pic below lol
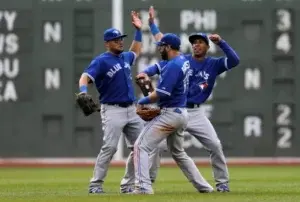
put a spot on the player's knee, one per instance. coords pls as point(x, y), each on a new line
point(109, 150)
point(140, 146)
point(215, 146)
point(178, 155)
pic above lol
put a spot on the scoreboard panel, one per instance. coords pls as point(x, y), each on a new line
point(46, 44)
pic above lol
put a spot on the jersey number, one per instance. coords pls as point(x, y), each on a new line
point(186, 72)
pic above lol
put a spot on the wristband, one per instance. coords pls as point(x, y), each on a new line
point(154, 29)
point(138, 35)
point(144, 100)
point(83, 89)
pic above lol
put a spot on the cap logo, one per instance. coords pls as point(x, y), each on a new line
point(116, 32)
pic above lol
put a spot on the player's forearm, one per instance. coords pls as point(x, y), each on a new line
point(83, 83)
point(152, 98)
point(136, 45)
point(232, 57)
point(155, 31)
point(151, 71)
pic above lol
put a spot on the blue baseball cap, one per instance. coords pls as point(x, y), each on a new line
point(170, 39)
point(112, 33)
point(199, 35)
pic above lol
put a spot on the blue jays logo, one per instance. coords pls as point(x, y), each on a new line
point(127, 65)
point(116, 32)
point(202, 74)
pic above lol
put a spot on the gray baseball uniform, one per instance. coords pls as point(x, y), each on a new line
point(201, 128)
point(115, 121)
point(202, 80)
point(172, 89)
point(111, 75)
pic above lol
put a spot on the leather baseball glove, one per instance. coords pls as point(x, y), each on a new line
point(147, 113)
point(86, 104)
point(145, 84)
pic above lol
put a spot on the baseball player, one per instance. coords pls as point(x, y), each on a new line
point(170, 124)
point(111, 74)
point(205, 71)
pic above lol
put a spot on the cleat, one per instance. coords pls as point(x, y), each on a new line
point(206, 191)
point(126, 190)
point(96, 190)
point(142, 191)
point(223, 187)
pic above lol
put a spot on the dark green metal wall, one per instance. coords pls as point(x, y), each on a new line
point(253, 108)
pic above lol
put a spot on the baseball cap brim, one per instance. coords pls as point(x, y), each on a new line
point(118, 37)
point(193, 37)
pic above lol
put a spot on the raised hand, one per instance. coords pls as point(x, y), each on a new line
point(215, 38)
point(136, 21)
point(151, 15)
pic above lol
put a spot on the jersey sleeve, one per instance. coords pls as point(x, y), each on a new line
point(151, 70)
point(94, 70)
point(222, 65)
point(131, 57)
point(169, 79)
point(155, 69)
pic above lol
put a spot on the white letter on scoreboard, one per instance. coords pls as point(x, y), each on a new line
point(52, 32)
point(252, 126)
point(252, 79)
point(186, 18)
point(52, 79)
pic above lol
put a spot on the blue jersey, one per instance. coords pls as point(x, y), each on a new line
point(112, 77)
point(205, 71)
point(173, 82)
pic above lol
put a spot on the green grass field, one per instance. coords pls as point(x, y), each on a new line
point(254, 184)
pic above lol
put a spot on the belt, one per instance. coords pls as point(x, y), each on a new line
point(124, 104)
point(191, 105)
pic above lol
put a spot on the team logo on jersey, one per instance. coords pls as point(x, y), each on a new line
point(112, 71)
point(127, 65)
point(202, 74)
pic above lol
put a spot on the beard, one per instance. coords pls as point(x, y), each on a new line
point(164, 55)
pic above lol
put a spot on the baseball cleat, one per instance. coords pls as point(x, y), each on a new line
point(223, 187)
point(126, 190)
point(142, 191)
point(96, 190)
point(205, 191)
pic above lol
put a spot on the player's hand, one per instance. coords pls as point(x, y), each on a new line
point(215, 38)
point(142, 76)
point(136, 21)
point(151, 15)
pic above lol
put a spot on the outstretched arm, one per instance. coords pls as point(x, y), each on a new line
point(232, 57)
point(89, 74)
point(83, 83)
point(136, 45)
point(153, 28)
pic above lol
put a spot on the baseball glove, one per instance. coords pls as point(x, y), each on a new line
point(147, 113)
point(145, 85)
point(86, 104)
